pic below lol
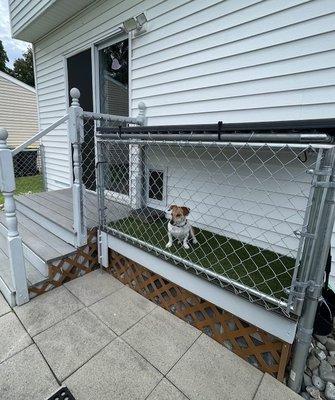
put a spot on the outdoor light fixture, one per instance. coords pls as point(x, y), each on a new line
point(135, 24)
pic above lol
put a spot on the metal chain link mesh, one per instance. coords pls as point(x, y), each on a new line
point(246, 202)
point(29, 171)
point(89, 163)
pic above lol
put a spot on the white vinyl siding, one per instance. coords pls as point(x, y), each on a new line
point(18, 111)
point(236, 61)
point(201, 61)
point(205, 61)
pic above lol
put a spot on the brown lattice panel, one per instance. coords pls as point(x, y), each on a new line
point(259, 348)
point(84, 260)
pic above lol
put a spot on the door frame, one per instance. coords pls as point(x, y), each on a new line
point(113, 37)
point(66, 56)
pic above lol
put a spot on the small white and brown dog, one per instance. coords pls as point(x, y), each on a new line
point(179, 228)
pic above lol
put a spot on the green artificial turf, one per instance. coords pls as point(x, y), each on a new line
point(255, 267)
point(27, 184)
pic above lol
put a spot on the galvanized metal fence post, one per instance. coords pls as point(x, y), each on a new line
point(102, 236)
point(76, 136)
point(136, 155)
point(319, 230)
point(15, 249)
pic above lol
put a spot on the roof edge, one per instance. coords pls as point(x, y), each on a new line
point(17, 82)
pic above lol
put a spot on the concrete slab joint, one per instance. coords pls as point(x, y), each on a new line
point(113, 344)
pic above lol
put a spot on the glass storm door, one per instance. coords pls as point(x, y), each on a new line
point(114, 99)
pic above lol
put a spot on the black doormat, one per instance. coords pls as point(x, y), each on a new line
point(62, 394)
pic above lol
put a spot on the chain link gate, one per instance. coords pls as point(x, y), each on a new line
point(250, 205)
point(262, 209)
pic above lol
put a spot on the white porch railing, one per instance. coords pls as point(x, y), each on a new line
point(75, 118)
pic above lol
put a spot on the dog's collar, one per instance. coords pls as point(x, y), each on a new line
point(179, 226)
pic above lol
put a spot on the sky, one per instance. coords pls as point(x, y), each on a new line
point(14, 48)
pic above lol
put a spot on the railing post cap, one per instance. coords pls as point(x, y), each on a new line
point(3, 134)
point(142, 106)
point(75, 94)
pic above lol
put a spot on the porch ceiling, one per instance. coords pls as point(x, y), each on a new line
point(52, 15)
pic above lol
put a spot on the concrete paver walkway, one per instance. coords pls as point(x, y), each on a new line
point(105, 341)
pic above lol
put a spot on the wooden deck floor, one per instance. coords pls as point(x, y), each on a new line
point(45, 224)
point(57, 206)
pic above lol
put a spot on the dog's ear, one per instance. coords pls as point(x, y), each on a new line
point(172, 206)
point(186, 211)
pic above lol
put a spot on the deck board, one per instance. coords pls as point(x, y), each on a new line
point(47, 210)
point(65, 197)
point(56, 246)
point(91, 204)
point(57, 207)
point(42, 242)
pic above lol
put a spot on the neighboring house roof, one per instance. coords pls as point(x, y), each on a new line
point(16, 81)
point(18, 111)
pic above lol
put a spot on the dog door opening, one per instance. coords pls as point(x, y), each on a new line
point(156, 185)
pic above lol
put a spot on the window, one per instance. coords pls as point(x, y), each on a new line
point(114, 99)
point(156, 185)
point(113, 79)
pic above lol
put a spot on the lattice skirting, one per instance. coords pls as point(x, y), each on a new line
point(259, 348)
point(81, 262)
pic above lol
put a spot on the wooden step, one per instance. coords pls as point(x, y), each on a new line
point(48, 215)
point(6, 285)
point(42, 242)
point(45, 224)
point(33, 274)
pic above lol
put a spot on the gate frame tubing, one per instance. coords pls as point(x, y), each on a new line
point(320, 227)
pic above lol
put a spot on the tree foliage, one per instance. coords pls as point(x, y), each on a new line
point(3, 59)
point(23, 68)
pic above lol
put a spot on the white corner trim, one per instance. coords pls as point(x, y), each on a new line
point(275, 324)
point(17, 82)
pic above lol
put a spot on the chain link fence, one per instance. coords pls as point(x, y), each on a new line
point(230, 212)
point(90, 160)
point(29, 171)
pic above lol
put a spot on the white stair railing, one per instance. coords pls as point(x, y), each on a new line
point(15, 249)
point(75, 118)
point(76, 136)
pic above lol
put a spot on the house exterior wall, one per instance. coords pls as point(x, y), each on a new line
point(203, 61)
point(200, 62)
point(18, 110)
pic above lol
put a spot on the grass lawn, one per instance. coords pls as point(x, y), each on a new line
point(27, 184)
point(261, 269)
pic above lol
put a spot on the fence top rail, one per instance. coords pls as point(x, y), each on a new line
point(39, 135)
point(207, 133)
point(113, 118)
point(179, 142)
point(318, 126)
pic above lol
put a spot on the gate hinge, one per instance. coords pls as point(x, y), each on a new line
point(304, 234)
point(298, 291)
point(319, 172)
